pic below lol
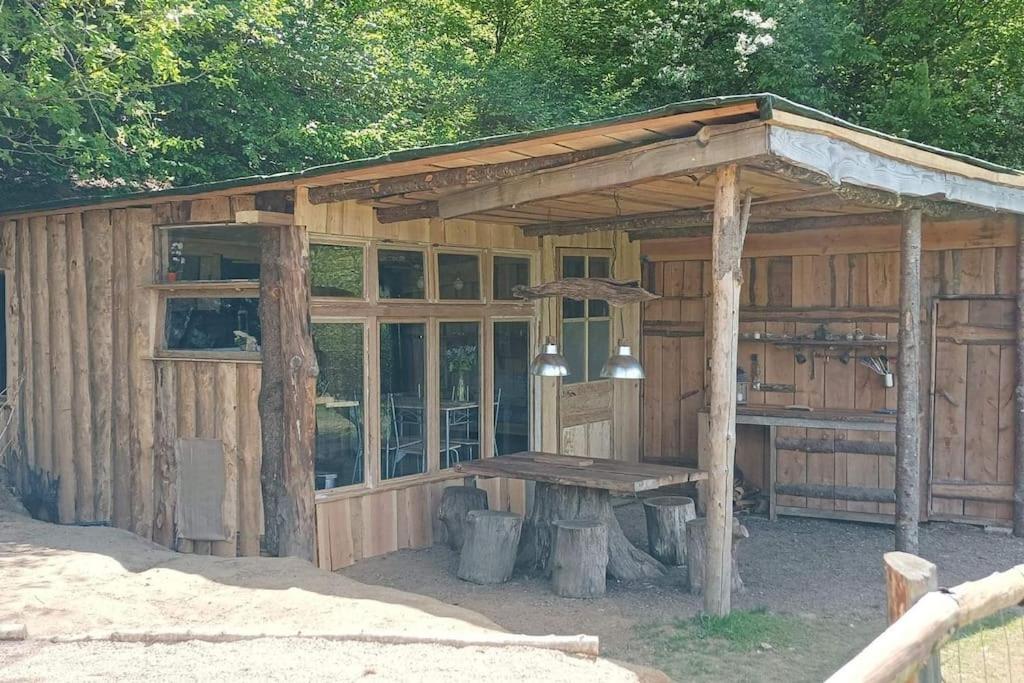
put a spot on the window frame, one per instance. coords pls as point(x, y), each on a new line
point(587, 254)
point(436, 252)
point(332, 241)
point(370, 418)
point(163, 241)
point(533, 415)
point(431, 400)
point(511, 253)
point(428, 293)
point(160, 350)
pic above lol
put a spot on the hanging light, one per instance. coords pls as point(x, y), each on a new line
point(549, 362)
point(622, 364)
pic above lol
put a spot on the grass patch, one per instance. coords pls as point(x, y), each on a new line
point(989, 649)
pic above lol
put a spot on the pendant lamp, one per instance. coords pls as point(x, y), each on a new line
point(622, 364)
point(549, 362)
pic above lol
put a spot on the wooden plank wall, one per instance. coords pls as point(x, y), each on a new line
point(93, 408)
point(848, 290)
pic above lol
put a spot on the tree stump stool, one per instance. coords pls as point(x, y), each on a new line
point(696, 553)
point(456, 501)
point(667, 517)
point(489, 551)
point(579, 558)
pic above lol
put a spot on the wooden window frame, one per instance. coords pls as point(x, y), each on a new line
point(562, 252)
point(436, 252)
point(168, 292)
point(428, 285)
point(509, 253)
point(163, 253)
point(533, 417)
point(371, 418)
point(333, 241)
point(486, 346)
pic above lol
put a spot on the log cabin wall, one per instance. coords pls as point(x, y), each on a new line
point(793, 283)
point(367, 520)
point(96, 409)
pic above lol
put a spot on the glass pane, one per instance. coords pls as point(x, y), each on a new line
point(212, 324)
point(402, 399)
point(458, 276)
point(400, 273)
point(510, 271)
point(574, 336)
point(511, 387)
point(599, 267)
point(573, 266)
point(597, 348)
point(212, 254)
point(336, 270)
point(339, 404)
point(460, 392)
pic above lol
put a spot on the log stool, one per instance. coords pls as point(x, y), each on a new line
point(579, 558)
point(456, 501)
point(489, 551)
point(667, 517)
point(696, 552)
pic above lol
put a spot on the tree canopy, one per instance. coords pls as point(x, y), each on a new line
point(99, 94)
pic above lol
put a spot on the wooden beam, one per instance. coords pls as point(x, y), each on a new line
point(1018, 455)
point(727, 276)
point(257, 217)
point(908, 401)
point(908, 578)
point(463, 176)
point(831, 492)
point(778, 227)
point(287, 393)
point(714, 146)
point(407, 212)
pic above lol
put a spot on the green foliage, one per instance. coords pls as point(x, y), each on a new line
point(97, 94)
point(336, 270)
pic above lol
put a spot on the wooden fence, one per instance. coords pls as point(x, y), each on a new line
point(922, 618)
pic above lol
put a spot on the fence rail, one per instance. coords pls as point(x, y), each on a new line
point(908, 646)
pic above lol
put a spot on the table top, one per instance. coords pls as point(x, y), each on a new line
point(568, 470)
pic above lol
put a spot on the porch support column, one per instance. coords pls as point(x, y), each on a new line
point(908, 397)
point(287, 393)
point(726, 248)
point(1018, 456)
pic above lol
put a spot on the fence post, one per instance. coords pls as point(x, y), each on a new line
point(908, 578)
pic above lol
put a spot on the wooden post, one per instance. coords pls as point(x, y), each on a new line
point(908, 402)
point(1018, 456)
point(908, 578)
point(727, 277)
point(287, 394)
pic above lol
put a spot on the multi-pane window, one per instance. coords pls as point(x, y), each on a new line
point(458, 276)
point(336, 270)
point(340, 404)
point(401, 274)
point(586, 325)
point(510, 271)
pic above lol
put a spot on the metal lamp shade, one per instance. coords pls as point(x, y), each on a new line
point(623, 365)
point(549, 362)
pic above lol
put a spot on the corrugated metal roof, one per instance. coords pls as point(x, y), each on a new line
point(766, 104)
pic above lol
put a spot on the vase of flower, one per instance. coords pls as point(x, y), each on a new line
point(461, 361)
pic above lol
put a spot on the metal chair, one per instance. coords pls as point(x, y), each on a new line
point(395, 448)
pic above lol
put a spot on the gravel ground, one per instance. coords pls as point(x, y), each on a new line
point(284, 659)
point(814, 569)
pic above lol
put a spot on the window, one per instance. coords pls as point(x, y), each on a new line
point(336, 270)
point(510, 271)
point(212, 324)
point(460, 391)
point(458, 276)
point(340, 419)
point(206, 254)
point(402, 399)
point(511, 386)
point(400, 274)
point(586, 325)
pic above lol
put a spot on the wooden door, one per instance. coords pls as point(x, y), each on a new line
point(973, 417)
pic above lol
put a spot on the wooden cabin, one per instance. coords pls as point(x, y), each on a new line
point(373, 300)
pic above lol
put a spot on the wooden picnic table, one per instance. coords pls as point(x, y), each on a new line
point(571, 487)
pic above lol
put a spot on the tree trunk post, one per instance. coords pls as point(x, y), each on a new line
point(908, 578)
point(287, 393)
point(489, 551)
point(579, 558)
point(697, 549)
point(908, 438)
point(667, 517)
point(1018, 456)
point(727, 276)
point(456, 504)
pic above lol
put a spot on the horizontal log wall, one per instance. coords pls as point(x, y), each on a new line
point(93, 409)
point(793, 286)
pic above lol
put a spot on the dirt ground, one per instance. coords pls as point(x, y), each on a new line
point(825, 579)
point(64, 581)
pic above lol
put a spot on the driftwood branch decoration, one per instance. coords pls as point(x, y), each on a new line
point(615, 292)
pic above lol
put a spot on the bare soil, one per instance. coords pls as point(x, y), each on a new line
point(68, 581)
point(825, 577)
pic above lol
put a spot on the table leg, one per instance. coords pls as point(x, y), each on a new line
point(552, 502)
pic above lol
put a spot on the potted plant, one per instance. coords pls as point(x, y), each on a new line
point(175, 261)
point(461, 361)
